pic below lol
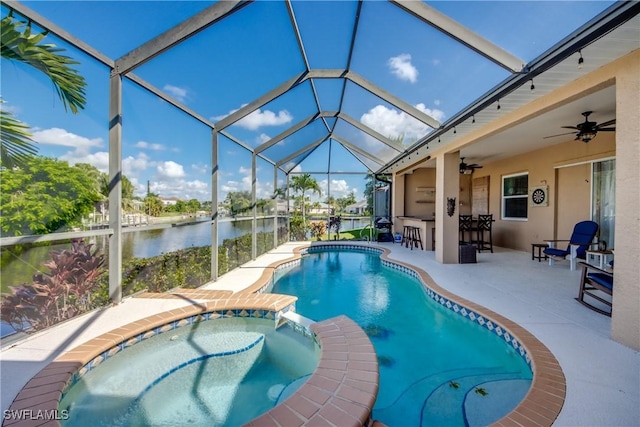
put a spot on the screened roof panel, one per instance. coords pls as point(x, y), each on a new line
point(305, 136)
point(230, 77)
point(365, 142)
point(406, 80)
point(335, 20)
point(317, 160)
point(329, 93)
point(116, 27)
point(275, 117)
point(416, 62)
point(341, 160)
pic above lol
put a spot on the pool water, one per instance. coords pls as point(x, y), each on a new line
point(436, 367)
point(222, 372)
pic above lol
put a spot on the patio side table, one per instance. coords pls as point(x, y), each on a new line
point(536, 251)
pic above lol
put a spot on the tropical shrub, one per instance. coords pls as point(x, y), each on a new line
point(318, 228)
point(64, 292)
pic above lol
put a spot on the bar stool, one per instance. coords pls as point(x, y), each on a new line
point(464, 225)
point(405, 236)
point(484, 241)
point(415, 238)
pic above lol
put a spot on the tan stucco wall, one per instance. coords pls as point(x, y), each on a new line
point(414, 200)
point(544, 167)
point(625, 322)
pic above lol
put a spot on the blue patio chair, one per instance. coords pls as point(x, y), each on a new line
point(582, 237)
point(597, 284)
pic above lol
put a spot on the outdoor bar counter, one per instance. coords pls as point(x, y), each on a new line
point(425, 224)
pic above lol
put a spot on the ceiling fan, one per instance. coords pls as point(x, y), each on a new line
point(468, 168)
point(587, 130)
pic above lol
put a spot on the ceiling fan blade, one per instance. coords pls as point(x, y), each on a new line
point(560, 134)
point(610, 122)
point(606, 129)
point(570, 127)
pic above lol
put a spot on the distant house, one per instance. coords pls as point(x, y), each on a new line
point(358, 208)
point(169, 201)
point(323, 209)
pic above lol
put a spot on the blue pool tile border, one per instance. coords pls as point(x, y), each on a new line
point(450, 304)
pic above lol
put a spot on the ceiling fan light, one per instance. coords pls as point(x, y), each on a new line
point(587, 136)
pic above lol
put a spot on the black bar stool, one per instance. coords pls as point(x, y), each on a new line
point(484, 235)
point(416, 239)
point(465, 223)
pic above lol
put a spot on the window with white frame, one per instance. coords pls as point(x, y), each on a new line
point(515, 196)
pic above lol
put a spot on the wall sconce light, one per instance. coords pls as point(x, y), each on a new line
point(451, 206)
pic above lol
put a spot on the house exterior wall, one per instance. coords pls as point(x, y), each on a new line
point(565, 168)
point(625, 321)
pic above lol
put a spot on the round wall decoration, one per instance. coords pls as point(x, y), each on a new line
point(538, 196)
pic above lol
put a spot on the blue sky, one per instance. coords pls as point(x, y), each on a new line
point(252, 52)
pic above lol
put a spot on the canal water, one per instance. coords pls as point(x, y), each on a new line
point(18, 266)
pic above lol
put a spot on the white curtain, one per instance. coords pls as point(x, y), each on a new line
point(603, 204)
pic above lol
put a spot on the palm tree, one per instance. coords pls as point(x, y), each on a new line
point(19, 44)
point(302, 183)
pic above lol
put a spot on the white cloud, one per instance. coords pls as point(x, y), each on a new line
point(262, 138)
point(259, 118)
point(170, 170)
point(436, 102)
point(177, 92)
point(131, 166)
point(182, 189)
point(338, 188)
point(60, 137)
point(150, 146)
point(393, 123)
point(200, 168)
point(402, 67)
point(100, 159)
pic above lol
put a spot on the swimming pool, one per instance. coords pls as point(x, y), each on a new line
point(218, 373)
point(439, 363)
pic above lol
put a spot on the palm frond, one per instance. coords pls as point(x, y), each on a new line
point(21, 45)
point(15, 141)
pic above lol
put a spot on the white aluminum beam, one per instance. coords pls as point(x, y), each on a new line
point(302, 151)
point(349, 146)
point(259, 102)
point(293, 129)
point(366, 129)
point(177, 34)
point(462, 34)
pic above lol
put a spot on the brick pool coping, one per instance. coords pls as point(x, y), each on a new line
point(342, 390)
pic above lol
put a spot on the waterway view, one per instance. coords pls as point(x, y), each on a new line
point(19, 263)
point(18, 266)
